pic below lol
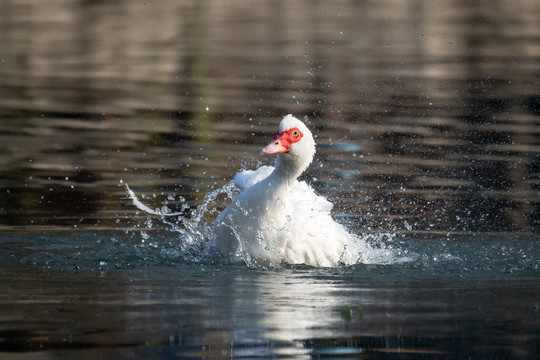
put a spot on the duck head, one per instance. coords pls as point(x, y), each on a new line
point(294, 145)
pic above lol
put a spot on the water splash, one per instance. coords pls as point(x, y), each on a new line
point(196, 241)
point(382, 249)
point(160, 212)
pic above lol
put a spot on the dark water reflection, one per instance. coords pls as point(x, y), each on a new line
point(427, 122)
point(436, 105)
point(192, 312)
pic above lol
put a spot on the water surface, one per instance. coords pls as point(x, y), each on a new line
point(106, 298)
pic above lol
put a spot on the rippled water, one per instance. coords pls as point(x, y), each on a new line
point(95, 296)
point(426, 117)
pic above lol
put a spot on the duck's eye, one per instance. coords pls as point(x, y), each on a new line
point(295, 133)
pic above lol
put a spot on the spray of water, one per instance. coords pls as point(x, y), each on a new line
point(196, 240)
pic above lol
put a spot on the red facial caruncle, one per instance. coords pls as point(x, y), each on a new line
point(283, 141)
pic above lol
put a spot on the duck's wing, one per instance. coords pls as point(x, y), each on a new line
point(247, 178)
point(318, 239)
point(306, 201)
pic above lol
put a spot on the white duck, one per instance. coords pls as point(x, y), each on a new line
point(277, 219)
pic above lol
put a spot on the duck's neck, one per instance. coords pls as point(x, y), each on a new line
point(288, 168)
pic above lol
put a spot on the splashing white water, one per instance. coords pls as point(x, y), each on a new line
point(197, 239)
point(145, 208)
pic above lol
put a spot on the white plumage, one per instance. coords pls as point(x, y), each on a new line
point(278, 219)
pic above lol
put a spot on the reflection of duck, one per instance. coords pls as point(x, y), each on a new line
point(279, 219)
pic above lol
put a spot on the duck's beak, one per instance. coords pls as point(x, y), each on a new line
point(275, 147)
